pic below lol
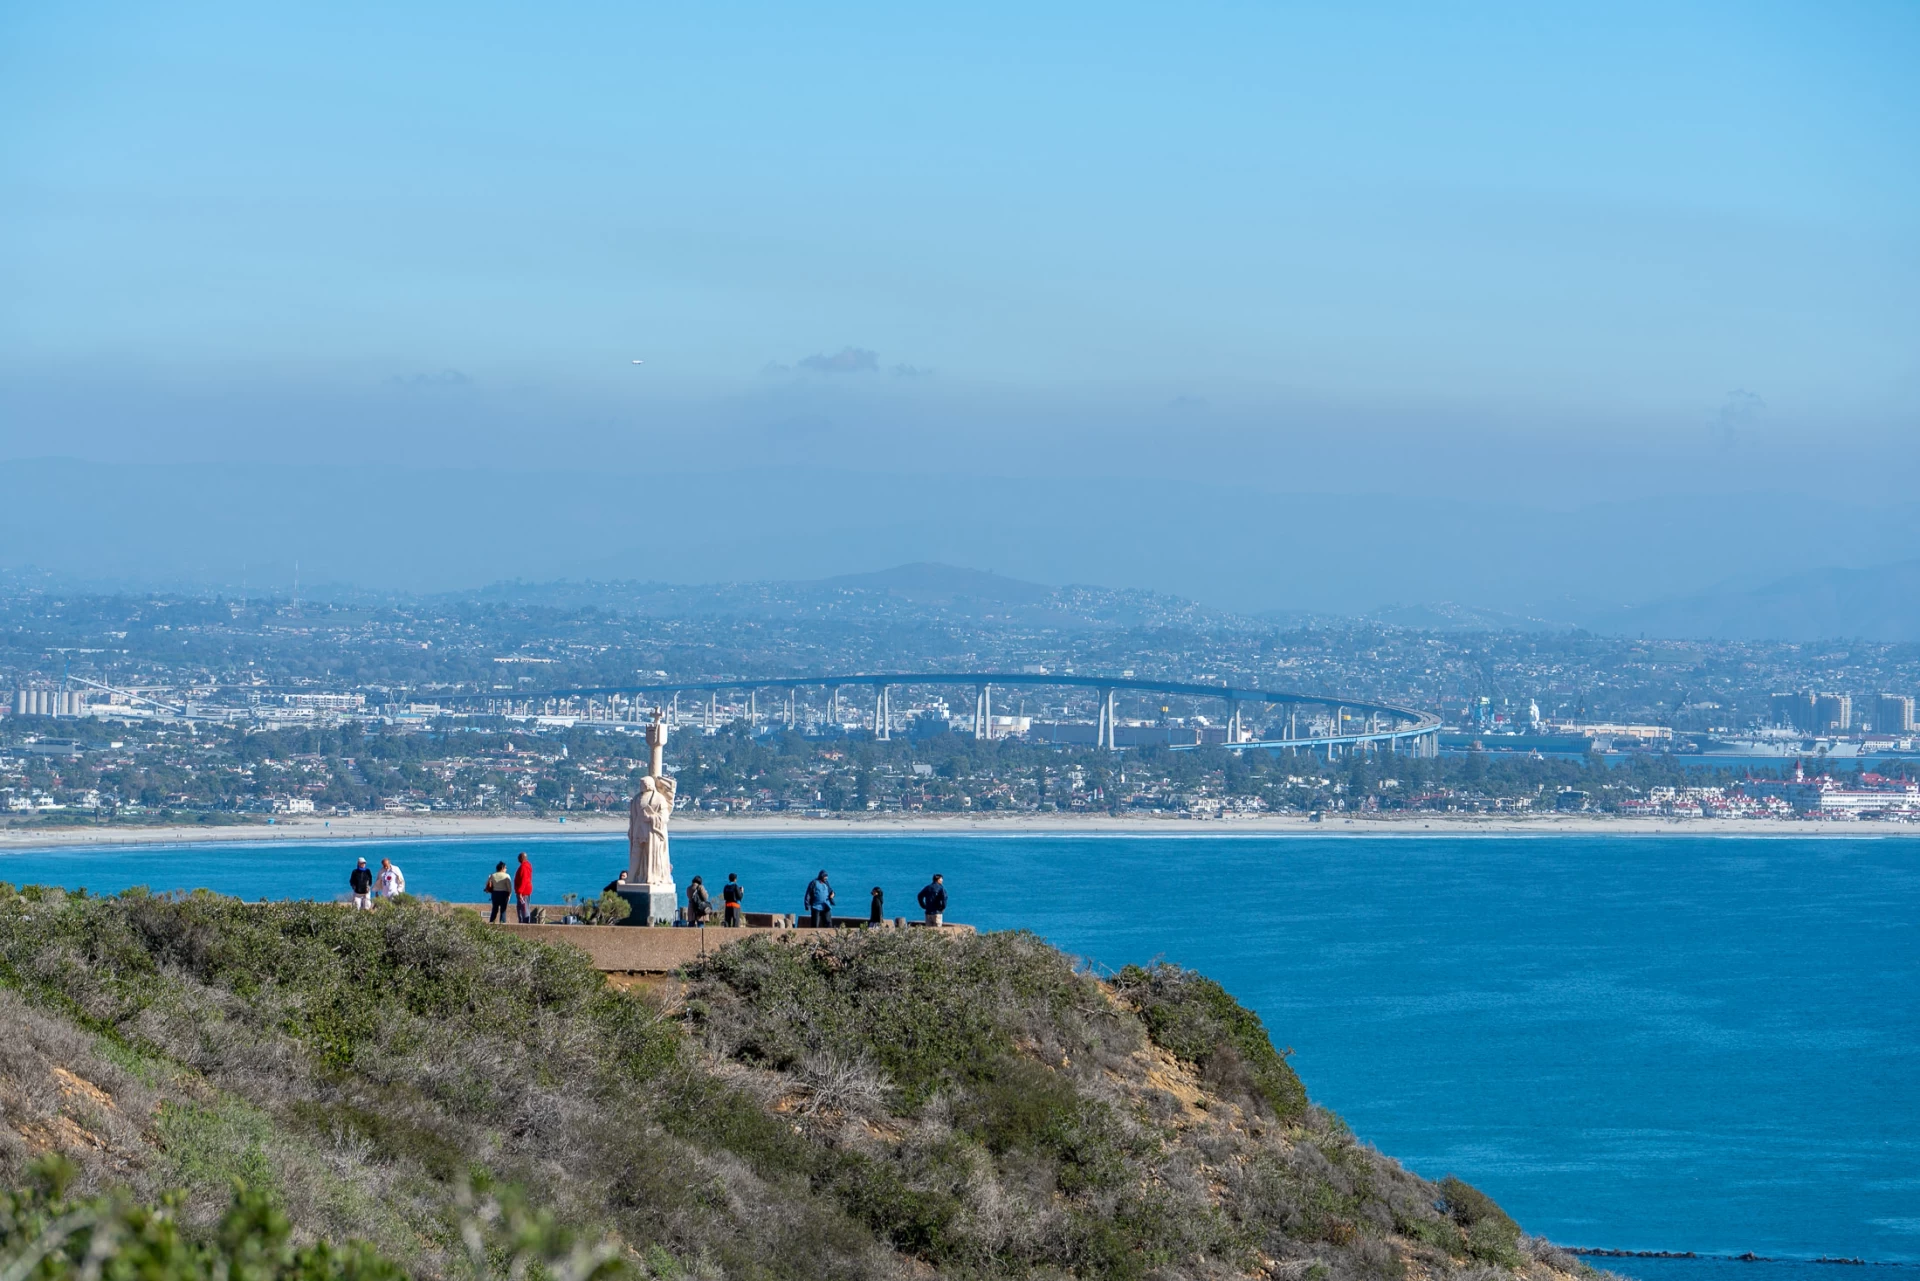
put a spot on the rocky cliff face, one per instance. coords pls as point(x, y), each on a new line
point(883, 1105)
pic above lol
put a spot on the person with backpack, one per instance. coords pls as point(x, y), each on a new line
point(360, 881)
point(933, 899)
point(819, 901)
point(499, 889)
point(698, 904)
point(523, 888)
point(731, 895)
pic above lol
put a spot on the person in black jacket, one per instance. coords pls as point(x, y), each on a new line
point(499, 889)
point(879, 913)
point(933, 899)
point(730, 896)
point(361, 883)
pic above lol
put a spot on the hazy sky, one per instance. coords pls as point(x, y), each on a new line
point(1548, 253)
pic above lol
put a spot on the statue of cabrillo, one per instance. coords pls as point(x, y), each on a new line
point(647, 814)
point(649, 888)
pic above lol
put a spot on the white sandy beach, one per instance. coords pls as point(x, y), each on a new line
point(376, 827)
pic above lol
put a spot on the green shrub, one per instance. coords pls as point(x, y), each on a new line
point(703, 1111)
point(608, 909)
point(391, 1134)
point(47, 1237)
point(1194, 1018)
point(927, 1010)
point(1020, 1106)
point(223, 1144)
point(915, 1220)
point(1017, 1106)
point(1492, 1236)
point(1438, 1233)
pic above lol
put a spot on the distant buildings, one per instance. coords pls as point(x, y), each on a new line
point(327, 702)
point(1793, 711)
point(1893, 714)
point(1812, 713)
point(1822, 797)
point(48, 702)
point(1610, 730)
point(1832, 714)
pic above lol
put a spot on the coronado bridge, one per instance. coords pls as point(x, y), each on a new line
point(1343, 725)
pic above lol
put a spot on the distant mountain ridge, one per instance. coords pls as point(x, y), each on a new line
point(425, 532)
point(929, 582)
point(1877, 603)
point(925, 591)
point(1880, 603)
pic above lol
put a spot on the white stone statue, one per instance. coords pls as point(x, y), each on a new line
point(647, 860)
point(648, 865)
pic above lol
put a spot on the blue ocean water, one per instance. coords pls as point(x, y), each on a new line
point(1679, 1043)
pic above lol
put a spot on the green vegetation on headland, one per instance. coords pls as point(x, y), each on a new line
point(191, 1086)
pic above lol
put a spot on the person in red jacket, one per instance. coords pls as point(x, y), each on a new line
point(523, 887)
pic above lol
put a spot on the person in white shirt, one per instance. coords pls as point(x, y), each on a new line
point(390, 881)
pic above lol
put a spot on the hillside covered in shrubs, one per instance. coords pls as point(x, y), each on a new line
point(193, 1086)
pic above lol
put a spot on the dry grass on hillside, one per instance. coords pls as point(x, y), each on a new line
point(866, 1106)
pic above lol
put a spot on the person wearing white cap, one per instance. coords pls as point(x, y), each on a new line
point(361, 883)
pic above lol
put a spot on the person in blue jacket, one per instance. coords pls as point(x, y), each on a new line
point(933, 899)
point(819, 901)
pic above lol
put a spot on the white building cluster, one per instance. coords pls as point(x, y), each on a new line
point(44, 701)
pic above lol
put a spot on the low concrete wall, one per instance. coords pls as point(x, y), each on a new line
point(619, 949)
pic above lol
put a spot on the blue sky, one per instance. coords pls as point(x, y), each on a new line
point(1562, 252)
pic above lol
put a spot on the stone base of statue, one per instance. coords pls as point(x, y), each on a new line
point(650, 904)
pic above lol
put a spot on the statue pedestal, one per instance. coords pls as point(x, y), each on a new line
point(652, 904)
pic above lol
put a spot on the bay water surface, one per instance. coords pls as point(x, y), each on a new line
point(1636, 1042)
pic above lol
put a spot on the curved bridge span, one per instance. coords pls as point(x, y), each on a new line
point(1353, 724)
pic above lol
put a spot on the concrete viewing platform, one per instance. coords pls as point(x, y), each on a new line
point(661, 949)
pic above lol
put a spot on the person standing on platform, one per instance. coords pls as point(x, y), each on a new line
point(523, 888)
point(360, 881)
point(933, 900)
point(698, 904)
point(819, 901)
point(390, 881)
point(731, 895)
point(499, 889)
point(877, 915)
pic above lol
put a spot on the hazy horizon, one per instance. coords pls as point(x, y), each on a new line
point(1269, 308)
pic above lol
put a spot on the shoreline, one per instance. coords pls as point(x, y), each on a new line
point(414, 828)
